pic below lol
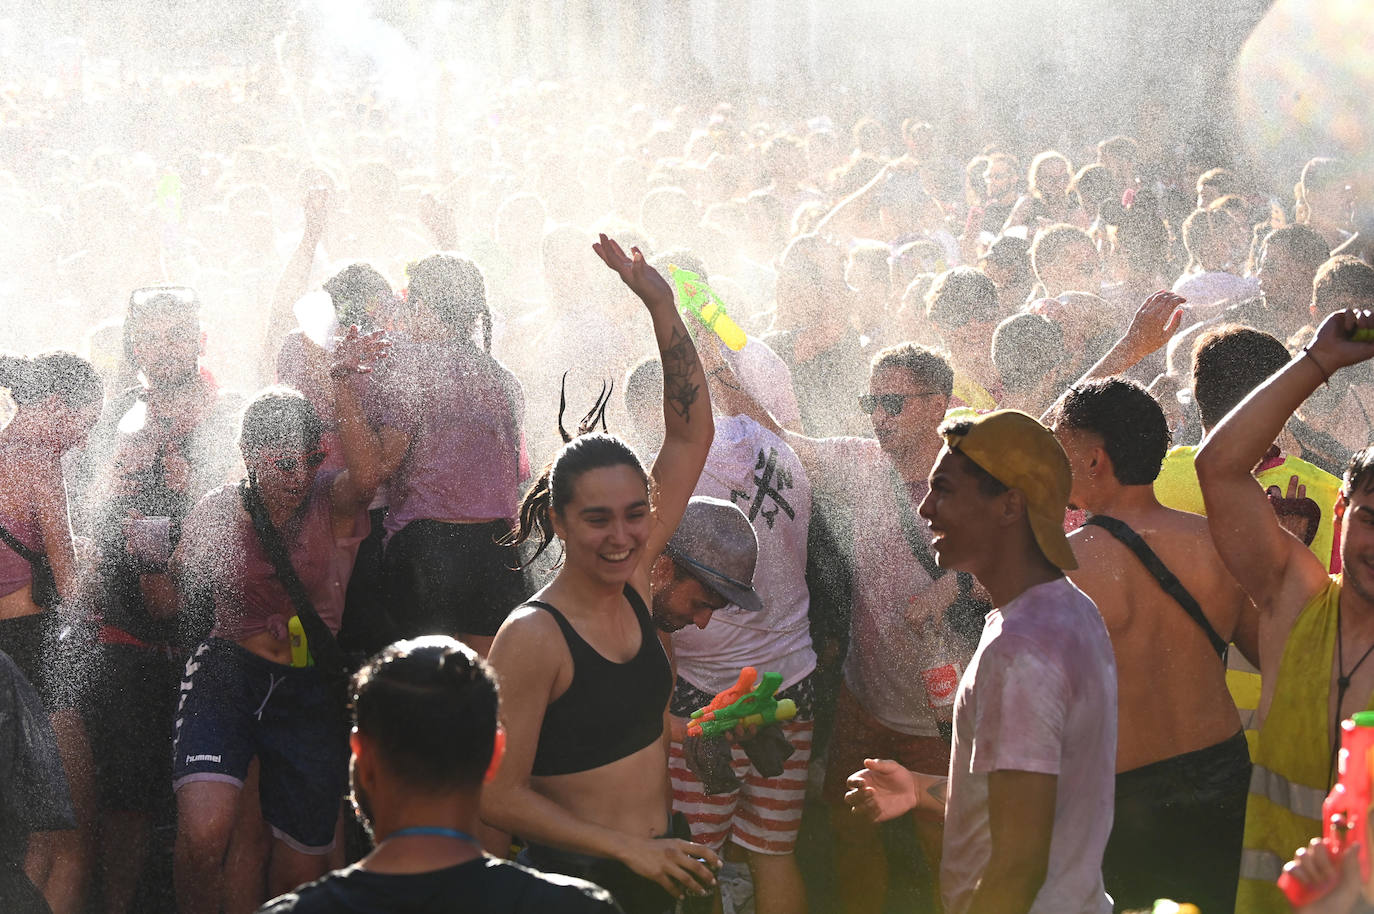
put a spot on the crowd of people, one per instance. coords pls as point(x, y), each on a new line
point(1036, 472)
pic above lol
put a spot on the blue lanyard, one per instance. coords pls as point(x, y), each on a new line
point(432, 831)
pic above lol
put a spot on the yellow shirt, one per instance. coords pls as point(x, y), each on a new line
point(1312, 518)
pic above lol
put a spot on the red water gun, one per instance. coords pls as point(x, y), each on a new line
point(1344, 809)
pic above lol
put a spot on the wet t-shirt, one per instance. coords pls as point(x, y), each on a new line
point(1039, 696)
point(225, 560)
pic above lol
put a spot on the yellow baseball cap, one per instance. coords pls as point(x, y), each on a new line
point(1020, 453)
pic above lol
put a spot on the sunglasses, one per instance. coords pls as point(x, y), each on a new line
point(891, 403)
point(289, 464)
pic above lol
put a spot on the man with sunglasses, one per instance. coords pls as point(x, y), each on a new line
point(902, 648)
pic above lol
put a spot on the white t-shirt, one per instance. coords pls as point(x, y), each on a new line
point(1039, 696)
point(765, 377)
point(760, 473)
point(888, 653)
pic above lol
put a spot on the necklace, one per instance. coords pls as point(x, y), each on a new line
point(433, 831)
point(1342, 686)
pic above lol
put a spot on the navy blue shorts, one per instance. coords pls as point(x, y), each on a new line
point(236, 705)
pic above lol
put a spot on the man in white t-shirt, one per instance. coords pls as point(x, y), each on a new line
point(1030, 785)
point(760, 474)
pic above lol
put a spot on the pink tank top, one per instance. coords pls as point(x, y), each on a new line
point(15, 573)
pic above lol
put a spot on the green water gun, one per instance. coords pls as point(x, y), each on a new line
point(745, 704)
point(696, 296)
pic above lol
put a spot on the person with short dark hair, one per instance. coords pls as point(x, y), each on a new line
point(1029, 792)
point(425, 739)
point(273, 551)
point(1315, 631)
point(1182, 764)
point(1027, 350)
point(1325, 201)
point(1344, 281)
point(962, 307)
point(1289, 259)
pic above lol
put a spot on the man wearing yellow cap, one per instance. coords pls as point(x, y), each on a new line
point(1030, 785)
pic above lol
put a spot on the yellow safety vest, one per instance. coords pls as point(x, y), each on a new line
point(1292, 759)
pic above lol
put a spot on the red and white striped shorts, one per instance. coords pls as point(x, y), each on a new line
point(763, 814)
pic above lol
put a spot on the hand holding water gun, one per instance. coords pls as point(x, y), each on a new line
point(696, 296)
point(747, 703)
point(1344, 815)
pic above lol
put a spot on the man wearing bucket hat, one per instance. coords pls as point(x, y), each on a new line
point(707, 565)
point(1030, 790)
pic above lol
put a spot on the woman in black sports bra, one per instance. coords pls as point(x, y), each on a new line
point(584, 678)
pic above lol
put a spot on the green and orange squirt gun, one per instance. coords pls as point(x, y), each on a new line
point(745, 704)
point(1363, 335)
point(695, 296)
point(1345, 809)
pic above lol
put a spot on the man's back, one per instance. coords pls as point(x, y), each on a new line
point(1171, 683)
point(478, 886)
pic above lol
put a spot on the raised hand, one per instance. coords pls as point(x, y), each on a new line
point(1334, 346)
point(635, 272)
point(317, 203)
point(881, 790)
point(1154, 323)
point(358, 353)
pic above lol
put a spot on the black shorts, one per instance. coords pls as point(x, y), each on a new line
point(235, 706)
point(129, 716)
point(1178, 829)
point(452, 578)
point(50, 650)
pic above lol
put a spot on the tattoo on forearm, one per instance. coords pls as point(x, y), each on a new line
point(680, 368)
point(936, 791)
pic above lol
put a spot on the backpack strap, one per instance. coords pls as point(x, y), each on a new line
point(1162, 575)
point(323, 645)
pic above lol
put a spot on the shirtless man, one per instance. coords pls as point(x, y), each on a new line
point(1182, 763)
point(1315, 631)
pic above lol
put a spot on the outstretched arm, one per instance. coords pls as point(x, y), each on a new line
point(688, 427)
point(295, 279)
point(1155, 321)
point(1274, 567)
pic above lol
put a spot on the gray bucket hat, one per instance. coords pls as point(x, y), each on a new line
point(716, 544)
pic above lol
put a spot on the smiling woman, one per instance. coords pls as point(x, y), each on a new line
point(589, 788)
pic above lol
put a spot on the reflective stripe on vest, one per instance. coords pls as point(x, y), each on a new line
point(1277, 789)
point(1262, 866)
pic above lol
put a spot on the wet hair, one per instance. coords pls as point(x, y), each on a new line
point(1228, 362)
point(32, 379)
point(928, 367)
point(356, 292)
point(429, 706)
point(454, 289)
point(1027, 348)
point(962, 296)
point(1053, 241)
point(1129, 421)
point(588, 450)
point(279, 417)
point(1359, 473)
point(1321, 174)
point(988, 484)
point(1340, 277)
point(1121, 147)
point(1304, 244)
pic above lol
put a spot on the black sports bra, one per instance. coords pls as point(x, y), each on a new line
point(610, 710)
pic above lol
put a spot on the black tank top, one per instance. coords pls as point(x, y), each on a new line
point(610, 710)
